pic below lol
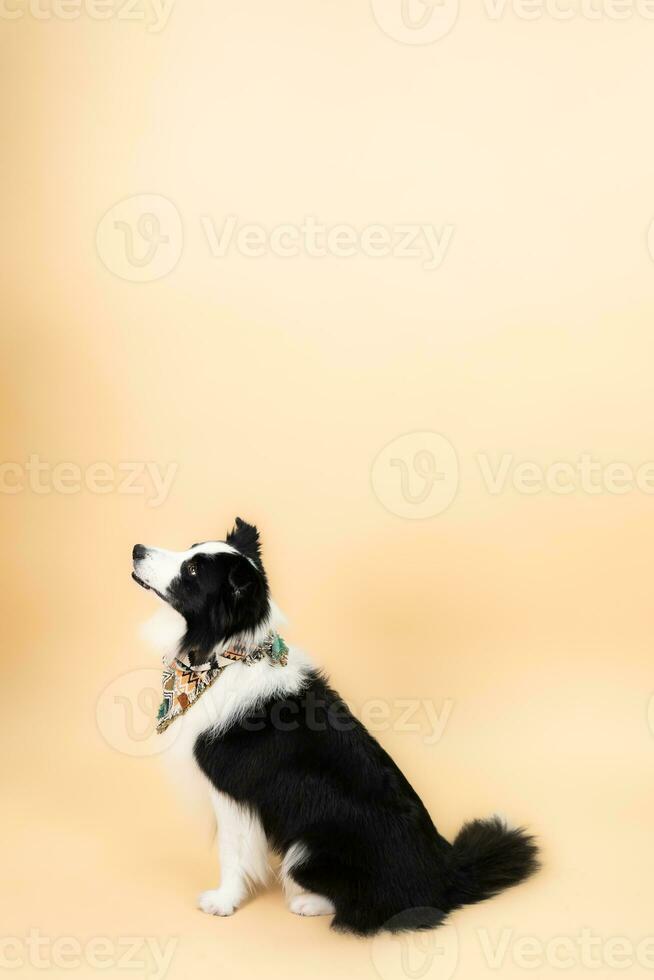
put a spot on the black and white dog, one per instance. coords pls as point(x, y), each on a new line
point(290, 769)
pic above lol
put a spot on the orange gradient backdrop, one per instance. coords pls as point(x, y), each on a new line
point(266, 385)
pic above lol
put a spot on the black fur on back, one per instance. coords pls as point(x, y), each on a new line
point(314, 775)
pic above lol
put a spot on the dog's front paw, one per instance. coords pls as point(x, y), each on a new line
point(217, 901)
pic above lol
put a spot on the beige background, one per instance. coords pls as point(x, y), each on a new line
point(272, 384)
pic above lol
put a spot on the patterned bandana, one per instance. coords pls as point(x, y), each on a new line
point(183, 684)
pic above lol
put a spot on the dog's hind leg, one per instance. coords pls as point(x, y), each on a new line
point(243, 850)
point(300, 901)
point(308, 903)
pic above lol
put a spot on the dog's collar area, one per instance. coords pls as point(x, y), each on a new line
point(271, 647)
point(183, 684)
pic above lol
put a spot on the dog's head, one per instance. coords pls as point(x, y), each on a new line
point(219, 587)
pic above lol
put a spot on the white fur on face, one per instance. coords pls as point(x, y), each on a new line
point(161, 567)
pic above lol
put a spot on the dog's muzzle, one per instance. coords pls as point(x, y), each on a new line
point(139, 552)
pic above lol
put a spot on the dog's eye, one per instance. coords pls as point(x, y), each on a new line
point(192, 569)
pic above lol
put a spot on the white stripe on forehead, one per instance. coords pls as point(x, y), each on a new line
point(212, 548)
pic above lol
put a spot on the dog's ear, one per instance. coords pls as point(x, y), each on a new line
point(241, 578)
point(245, 538)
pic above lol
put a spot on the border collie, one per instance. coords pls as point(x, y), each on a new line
point(291, 770)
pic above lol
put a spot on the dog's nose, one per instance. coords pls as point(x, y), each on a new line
point(138, 551)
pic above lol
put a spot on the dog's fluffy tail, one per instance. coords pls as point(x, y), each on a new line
point(488, 856)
